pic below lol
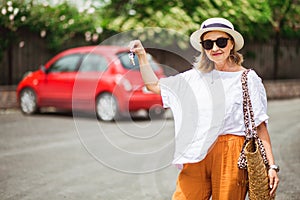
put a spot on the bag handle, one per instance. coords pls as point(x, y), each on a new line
point(251, 134)
point(247, 108)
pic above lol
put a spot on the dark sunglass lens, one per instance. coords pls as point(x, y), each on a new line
point(207, 44)
point(222, 42)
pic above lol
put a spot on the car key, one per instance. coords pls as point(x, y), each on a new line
point(131, 57)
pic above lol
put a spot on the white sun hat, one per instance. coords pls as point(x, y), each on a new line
point(216, 24)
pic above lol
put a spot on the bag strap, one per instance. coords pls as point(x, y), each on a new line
point(247, 108)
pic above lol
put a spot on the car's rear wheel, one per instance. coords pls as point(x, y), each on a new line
point(156, 112)
point(28, 101)
point(107, 107)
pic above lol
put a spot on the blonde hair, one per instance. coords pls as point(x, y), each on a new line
point(204, 64)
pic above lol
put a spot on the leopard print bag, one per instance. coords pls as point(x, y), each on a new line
point(251, 133)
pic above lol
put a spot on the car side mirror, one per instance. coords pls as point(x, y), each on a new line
point(43, 68)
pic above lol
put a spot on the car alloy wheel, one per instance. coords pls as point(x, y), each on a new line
point(28, 101)
point(106, 107)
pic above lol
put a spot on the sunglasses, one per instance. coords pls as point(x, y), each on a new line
point(220, 42)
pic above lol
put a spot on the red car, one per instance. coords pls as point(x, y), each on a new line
point(93, 78)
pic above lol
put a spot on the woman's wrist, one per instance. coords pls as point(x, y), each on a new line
point(142, 58)
point(141, 53)
point(274, 167)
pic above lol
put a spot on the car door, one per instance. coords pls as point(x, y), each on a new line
point(56, 88)
point(90, 75)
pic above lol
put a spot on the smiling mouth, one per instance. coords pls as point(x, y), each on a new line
point(216, 54)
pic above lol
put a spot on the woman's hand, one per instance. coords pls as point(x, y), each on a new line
point(137, 47)
point(263, 134)
point(274, 181)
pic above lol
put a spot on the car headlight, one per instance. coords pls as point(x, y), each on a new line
point(26, 74)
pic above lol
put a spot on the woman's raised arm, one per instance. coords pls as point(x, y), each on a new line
point(150, 79)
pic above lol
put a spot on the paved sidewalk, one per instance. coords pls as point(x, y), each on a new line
point(8, 97)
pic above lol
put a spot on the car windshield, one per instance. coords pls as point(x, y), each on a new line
point(124, 58)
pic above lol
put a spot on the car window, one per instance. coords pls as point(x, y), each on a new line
point(124, 58)
point(66, 64)
point(93, 63)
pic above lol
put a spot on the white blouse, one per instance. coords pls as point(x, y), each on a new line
point(206, 105)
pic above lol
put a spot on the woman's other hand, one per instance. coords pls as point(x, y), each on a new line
point(273, 181)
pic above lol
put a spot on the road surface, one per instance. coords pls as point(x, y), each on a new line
point(58, 156)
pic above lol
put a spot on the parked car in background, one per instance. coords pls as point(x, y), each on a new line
point(100, 79)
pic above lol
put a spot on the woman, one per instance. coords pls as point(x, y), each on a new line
point(207, 107)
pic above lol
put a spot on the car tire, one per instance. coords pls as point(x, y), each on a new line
point(28, 101)
point(107, 107)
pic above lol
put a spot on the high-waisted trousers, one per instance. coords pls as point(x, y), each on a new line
point(216, 176)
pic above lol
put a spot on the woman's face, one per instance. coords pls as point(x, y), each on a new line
point(218, 54)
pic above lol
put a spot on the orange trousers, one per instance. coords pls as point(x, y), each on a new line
point(217, 175)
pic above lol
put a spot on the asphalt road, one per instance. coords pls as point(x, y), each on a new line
point(60, 156)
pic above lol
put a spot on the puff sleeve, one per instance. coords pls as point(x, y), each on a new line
point(258, 98)
point(173, 86)
point(168, 85)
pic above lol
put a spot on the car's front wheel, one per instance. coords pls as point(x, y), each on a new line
point(106, 107)
point(28, 101)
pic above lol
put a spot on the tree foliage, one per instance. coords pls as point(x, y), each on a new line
point(256, 19)
point(58, 23)
point(285, 17)
point(12, 15)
